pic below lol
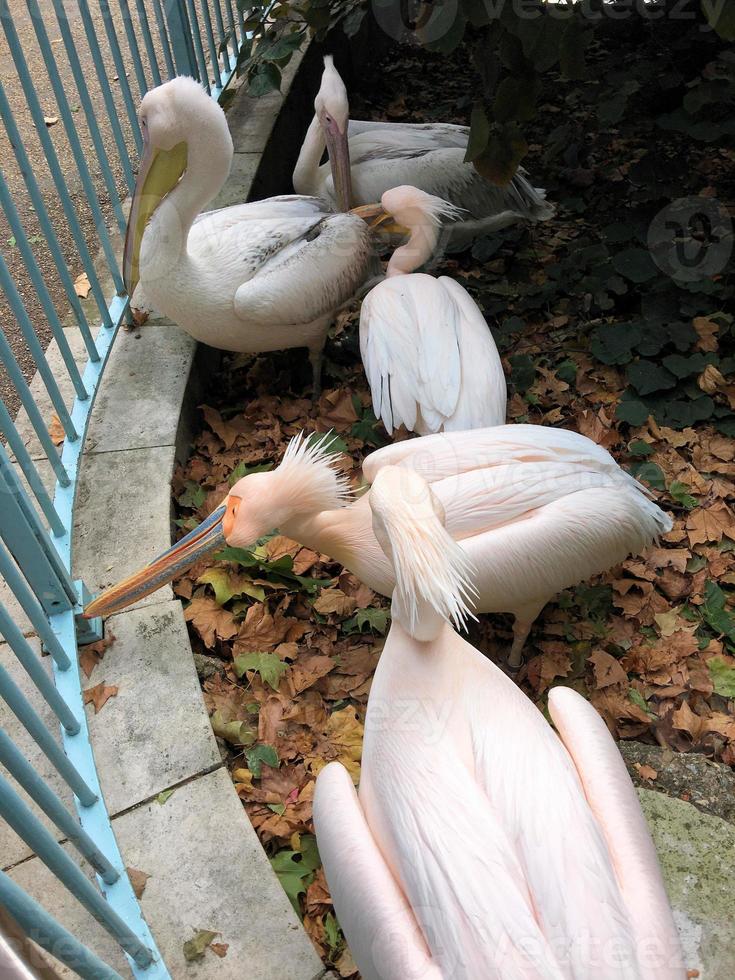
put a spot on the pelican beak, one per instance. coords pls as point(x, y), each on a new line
point(378, 219)
point(159, 172)
point(338, 149)
point(209, 536)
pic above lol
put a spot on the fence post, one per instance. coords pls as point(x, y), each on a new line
point(179, 32)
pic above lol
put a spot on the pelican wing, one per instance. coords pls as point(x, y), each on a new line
point(311, 275)
point(410, 350)
point(534, 787)
point(447, 454)
point(383, 934)
point(614, 803)
point(434, 135)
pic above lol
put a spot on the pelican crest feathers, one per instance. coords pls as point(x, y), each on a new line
point(326, 486)
point(429, 564)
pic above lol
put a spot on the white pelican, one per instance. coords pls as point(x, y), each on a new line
point(536, 510)
point(429, 156)
point(428, 353)
point(250, 278)
point(482, 846)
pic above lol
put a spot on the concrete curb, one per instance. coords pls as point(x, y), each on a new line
point(207, 868)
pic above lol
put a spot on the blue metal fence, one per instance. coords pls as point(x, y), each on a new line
point(112, 53)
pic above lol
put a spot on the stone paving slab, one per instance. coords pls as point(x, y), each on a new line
point(155, 733)
point(143, 387)
point(208, 871)
point(123, 515)
point(697, 855)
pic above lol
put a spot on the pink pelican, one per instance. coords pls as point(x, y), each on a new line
point(535, 509)
point(481, 846)
point(430, 156)
point(427, 350)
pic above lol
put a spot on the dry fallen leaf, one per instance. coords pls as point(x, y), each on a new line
point(82, 285)
point(99, 695)
point(644, 771)
point(92, 653)
point(138, 880)
point(56, 430)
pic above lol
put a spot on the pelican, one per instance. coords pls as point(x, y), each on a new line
point(536, 509)
point(250, 278)
point(481, 844)
point(430, 156)
point(428, 353)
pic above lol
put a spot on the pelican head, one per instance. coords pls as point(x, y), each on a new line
point(414, 213)
point(333, 111)
point(183, 130)
point(433, 574)
point(305, 482)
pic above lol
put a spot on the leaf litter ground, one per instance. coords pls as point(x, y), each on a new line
point(594, 338)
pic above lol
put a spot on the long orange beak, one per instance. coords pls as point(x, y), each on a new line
point(378, 219)
point(209, 536)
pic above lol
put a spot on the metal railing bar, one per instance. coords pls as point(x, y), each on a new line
point(89, 113)
point(76, 147)
point(120, 69)
point(28, 541)
point(197, 38)
point(27, 716)
point(35, 670)
point(220, 27)
point(133, 47)
point(49, 234)
point(148, 41)
point(50, 153)
point(43, 929)
point(30, 829)
point(29, 335)
point(26, 776)
point(29, 470)
point(214, 58)
point(163, 36)
point(233, 31)
point(105, 87)
point(21, 240)
point(29, 404)
point(32, 608)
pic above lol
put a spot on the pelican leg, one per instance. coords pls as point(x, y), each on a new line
point(521, 628)
point(316, 357)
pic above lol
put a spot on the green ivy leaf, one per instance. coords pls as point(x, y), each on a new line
point(613, 343)
point(193, 496)
point(680, 492)
point(651, 473)
point(640, 448)
point(632, 411)
point(683, 367)
point(635, 264)
point(647, 376)
point(720, 16)
point(295, 869)
point(265, 77)
point(523, 371)
point(259, 756)
point(375, 619)
point(723, 676)
point(637, 698)
point(269, 665)
point(567, 371)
